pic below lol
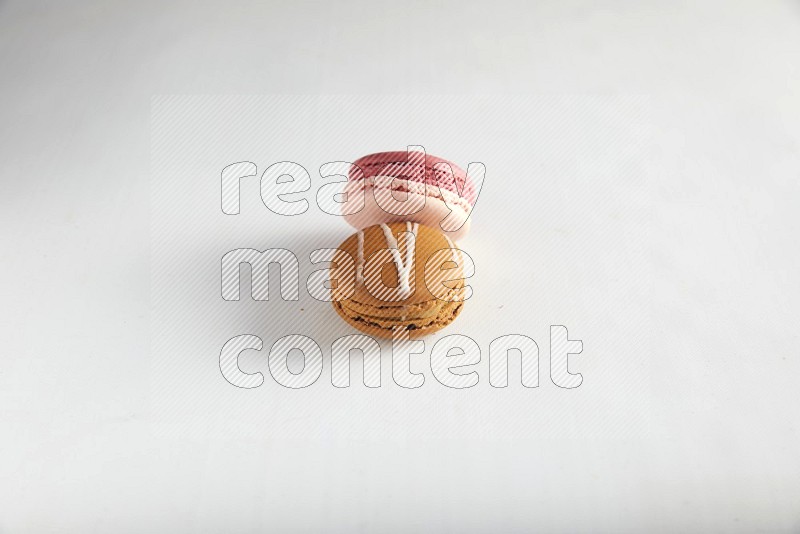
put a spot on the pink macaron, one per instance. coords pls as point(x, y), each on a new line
point(409, 186)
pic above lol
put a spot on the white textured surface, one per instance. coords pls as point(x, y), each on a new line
point(683, 288)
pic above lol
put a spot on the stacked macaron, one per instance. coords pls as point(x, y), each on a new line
point(401, 269)
point(409, 186)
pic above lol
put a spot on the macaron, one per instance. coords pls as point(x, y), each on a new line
point(393, 275)
point(409, 186)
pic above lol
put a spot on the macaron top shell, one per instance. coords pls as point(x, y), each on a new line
point(397, 278)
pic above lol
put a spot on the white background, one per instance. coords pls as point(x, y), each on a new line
point(658, 205)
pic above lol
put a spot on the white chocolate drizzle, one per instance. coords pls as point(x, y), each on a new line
point(403, 268)
point(456, 254)
point(454, 250)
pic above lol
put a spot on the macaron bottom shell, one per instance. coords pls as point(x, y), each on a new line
point(380, 321)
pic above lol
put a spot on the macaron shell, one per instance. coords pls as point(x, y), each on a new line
point(416, 329)
point(432, 213)
point(428, 242)
point(421, 310)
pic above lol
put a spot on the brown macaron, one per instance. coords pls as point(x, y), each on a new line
point(398, 275)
